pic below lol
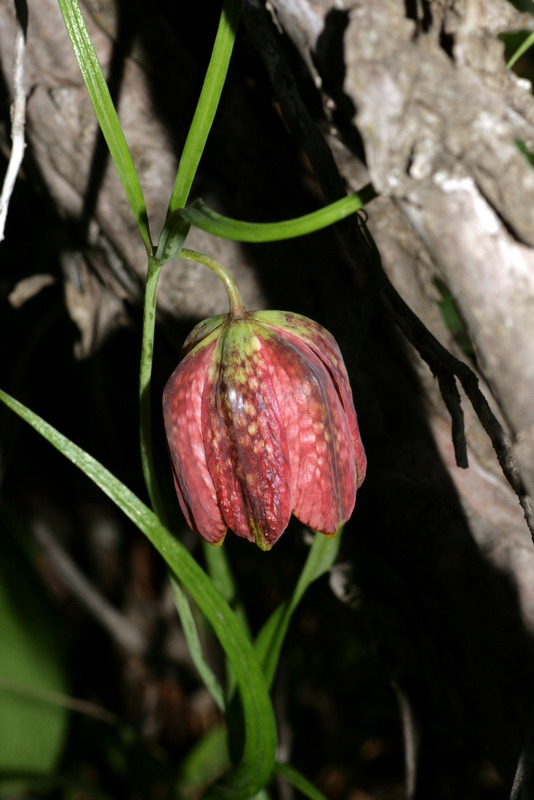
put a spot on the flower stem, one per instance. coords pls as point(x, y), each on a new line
point(147, 349)
point(237, 309)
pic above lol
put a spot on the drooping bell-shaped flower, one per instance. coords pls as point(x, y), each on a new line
point(260, 424)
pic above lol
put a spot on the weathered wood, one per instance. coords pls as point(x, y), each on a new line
point(426, 93)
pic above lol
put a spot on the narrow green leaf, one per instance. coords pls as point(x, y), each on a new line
point(208, 759)
point(193, 643)
point(210, 221)
point(220, 571)
point(256, 765)
point(207, 103)
point(298, 780)
point(270, 639)
point(521, 50)
point(106, 113)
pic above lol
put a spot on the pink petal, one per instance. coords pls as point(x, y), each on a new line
point(292, 326)
point(246, 447)
point(182, 415)
point(321, 450)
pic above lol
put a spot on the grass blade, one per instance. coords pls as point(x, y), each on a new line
point(207, 104)
point(193, 643)
point(297, 780)
point(521, 50)
point(271, 637)
point(255, 767)
point(106, 113)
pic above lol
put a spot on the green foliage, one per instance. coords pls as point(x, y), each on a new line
point(106, 114)
point(203, 217)
point(257, 761)
point(33, 677)
point(193, 642)
point(207, 104)
point(452, 318)
point(529, 157)
point(206, 762)
point(269, 643)
point(299, 782)
point(523, 43)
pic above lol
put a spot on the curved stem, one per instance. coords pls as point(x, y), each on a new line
point(237, 309)
point(203, 217)
point(145, 375)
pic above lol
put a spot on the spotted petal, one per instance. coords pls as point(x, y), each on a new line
point(246, 446)
point(183, 424)
point(323, 469)
point(304, 331)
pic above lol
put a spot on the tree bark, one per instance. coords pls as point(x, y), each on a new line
point(417, 98)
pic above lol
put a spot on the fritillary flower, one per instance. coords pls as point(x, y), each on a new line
point(260, 424)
